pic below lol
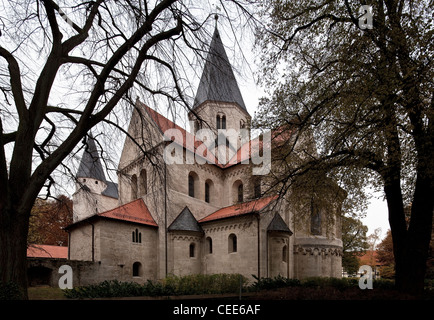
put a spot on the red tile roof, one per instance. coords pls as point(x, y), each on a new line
point(239, 209)
point(135, 211)
point(47, 251)
point(189, 141)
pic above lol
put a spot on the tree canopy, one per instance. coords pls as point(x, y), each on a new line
point(367, 96)
point(354, 243)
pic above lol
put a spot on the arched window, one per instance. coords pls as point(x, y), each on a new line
point(240, 193)
point(209, 189)
point(315, 219)
point(208, 245)
point(284, 253)
point(137, 269)
point(190, 185)
point(134, 187)
point(206, 192)
point(218, 121)
point(232, 243)
point(137, 236)
point(143, 182)
point(223, 122)
point(192, 249)
point(193, 184)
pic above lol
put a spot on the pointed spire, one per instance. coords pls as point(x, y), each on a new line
point(90, 165)
point(185, 221)
point(278, 225)
point(218, 81)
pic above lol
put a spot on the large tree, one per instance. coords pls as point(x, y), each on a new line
point(354, 243)
point(366, 91)
point(66, 67)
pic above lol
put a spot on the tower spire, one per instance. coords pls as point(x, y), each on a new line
point(218, 81)
point(216, 17)
point(90, 164)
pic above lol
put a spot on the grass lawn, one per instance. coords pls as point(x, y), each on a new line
point(45, 293)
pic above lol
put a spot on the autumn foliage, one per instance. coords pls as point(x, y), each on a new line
point(47, 220)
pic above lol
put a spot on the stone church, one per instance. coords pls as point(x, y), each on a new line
point(196, 215)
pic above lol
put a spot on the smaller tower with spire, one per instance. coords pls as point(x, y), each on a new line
point(218, 103)
point(94, 193)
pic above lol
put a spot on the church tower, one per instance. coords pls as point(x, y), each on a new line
point(94, 194)
point(218, 103)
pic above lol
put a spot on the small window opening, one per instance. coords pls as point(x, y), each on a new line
point(192, 249)
point(209, 245)
point(137, 269)
point(240, 193)
point(232, 242)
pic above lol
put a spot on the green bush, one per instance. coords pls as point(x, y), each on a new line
point(272, 283)
point(171, 285)
point(10, 291)
point(311, 282)
point(429, 284)
point(383, 284)
point(205, 284)
point(105, 289)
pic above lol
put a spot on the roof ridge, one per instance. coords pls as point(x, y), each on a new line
point(240, 208)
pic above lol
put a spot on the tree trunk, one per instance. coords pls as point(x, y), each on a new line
point(398, 229)
point(418, 236)
point(410, 247)
point(13, 249)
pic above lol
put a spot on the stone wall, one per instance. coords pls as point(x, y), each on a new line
point(224, 259)
point(185, 252)
point(45, 271)
point(114, 250)
point(317, 257)
point(278, 254)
